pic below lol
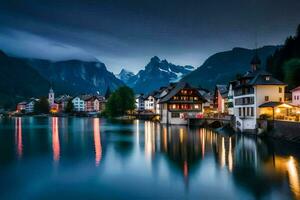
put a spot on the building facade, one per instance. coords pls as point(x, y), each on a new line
point(253, 89)
point(79, 104)
point(296, 96)
point(181, 103)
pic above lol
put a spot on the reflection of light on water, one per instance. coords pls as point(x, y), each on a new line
point(97, 141)
point(293, 176)
point(149, 139)
point(202, 137)
point(230, 159)
point(185, 169)
point(181, 134)
point(137, 132)
point(55, 139)
point(165, 139)
point(19, 142)
point(223, 153)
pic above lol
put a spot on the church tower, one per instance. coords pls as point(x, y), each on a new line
point(255, 62)
point(51, 97)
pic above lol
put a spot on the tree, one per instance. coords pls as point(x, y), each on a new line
point(69, 107)
point(120, 102)
point(107, 93)
point(292, 73)
point(41, 106)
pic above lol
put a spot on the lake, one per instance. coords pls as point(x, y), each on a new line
point(92, 158)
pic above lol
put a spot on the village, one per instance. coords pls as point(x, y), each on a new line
point(246, 102)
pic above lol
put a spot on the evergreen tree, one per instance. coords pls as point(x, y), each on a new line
point(41, 106)
point(107, 93)
point(69, 107)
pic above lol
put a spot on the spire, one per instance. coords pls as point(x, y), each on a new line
point(255, 62)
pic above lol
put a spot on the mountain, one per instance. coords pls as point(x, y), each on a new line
point(284, 64)
point(125, 75)
point(18, 81)
point(157, 73)
point(76, 76)
point(222, 67)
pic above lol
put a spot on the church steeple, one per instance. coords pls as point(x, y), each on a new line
point(255, 62)
point(51, 96)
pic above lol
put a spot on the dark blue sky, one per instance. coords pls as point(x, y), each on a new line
point(127, 33)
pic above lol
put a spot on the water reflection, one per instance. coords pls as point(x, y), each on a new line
point(55, 139)
point(97, 141)
point(18, 136)
point(190, 160)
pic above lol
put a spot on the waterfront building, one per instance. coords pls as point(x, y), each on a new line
point(252, 90)
point(21, 106)
point(29, 108)
point(180, 103)
point(296, 96)
point(140, 102)
point(62, 102)
point(221, 98)
point(79, 104)
point(150, 102)
point(93, 103)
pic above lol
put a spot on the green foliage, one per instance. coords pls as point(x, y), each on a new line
point(292, 72)
point(41, 106)
point(120, 102)
point(69, 107)
point(283, 63)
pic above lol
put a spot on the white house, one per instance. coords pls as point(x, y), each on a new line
point(251, 91)
point(79, 104)
point(29, 108)
point(296, 96)
point(140, 102)
point(150, 103)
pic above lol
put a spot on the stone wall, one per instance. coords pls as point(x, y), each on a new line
point(285, 130)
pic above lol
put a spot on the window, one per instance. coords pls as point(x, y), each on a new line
point(297, 97)
point(175, 115)
point(240, 112)
point(244, 111)
point(266, 98)
point(248, 111)
point(267, 78)
point(280, 99)
point(252, 111)
point(280, 90)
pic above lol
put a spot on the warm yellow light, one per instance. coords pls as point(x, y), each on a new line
point(174, 106)
point(196, 106)
point(277, 110)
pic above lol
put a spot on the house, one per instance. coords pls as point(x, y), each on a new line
point(181, 101)
point(62, 102)
point(79, 104)
point(29, 108)
point(252, 90)
point(140, 102)
point(296, 96)
point(21, 107)
point(209, 97)
point(150, 102)
point(93, 103)
point(221, 98)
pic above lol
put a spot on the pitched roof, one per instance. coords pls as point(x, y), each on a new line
point(296, 89)
point(270, 104)
point(223, 90)
point(179, 86)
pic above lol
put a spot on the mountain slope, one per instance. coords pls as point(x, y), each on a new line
point(77, 76)
point(157, 73)
point(18, 81)
point(125, 75)
point(224, 66)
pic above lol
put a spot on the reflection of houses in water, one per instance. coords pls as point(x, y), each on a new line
point(18, 136)
point(97, 141)
point(55, 139)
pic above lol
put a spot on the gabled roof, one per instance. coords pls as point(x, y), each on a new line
point(223, 89)
point(260, 79)
point(270, 104)
point(179, 86)
point(296, 89)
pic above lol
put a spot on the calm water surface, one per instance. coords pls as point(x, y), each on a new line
point(91, 158)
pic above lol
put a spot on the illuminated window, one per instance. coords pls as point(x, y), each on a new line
point(280, 90)
point(196, 106)
point(266, 98)
point(267, 78)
